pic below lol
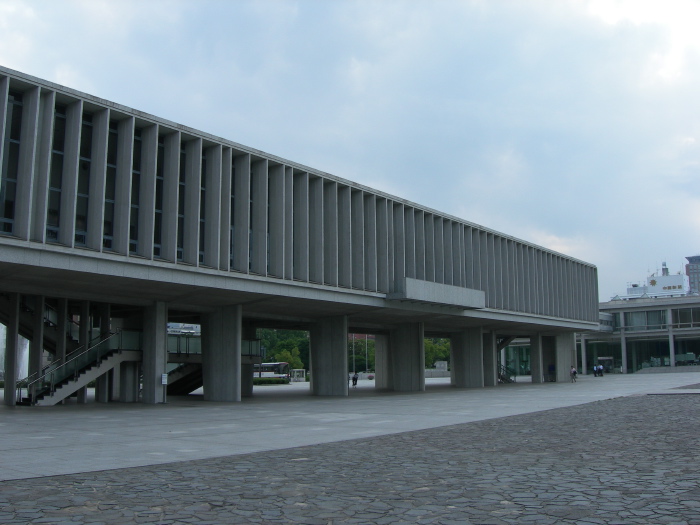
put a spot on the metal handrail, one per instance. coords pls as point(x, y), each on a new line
point(52, 372)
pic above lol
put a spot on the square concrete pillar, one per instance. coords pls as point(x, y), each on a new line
point(467, 359)
point(155, 352)
point(329, 356)
point(221, 354)
point(490, 359)
point(12, 350)
point(406, 346)
point(382, 364)
point(129, 382)
point(536, 365)
point(566, 355)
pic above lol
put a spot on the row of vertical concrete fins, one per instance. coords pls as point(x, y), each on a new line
point(217, 205)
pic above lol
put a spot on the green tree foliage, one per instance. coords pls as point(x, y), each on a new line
point(277, 341)
point(436, 350)
point(289, 356)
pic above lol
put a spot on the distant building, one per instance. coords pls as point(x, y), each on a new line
point(657, 286)
point(656, 324)
point(692, 270)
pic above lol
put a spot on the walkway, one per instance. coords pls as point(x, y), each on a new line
point(444, 456)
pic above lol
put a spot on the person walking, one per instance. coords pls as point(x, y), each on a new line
point(355, 377)
point(573, 374)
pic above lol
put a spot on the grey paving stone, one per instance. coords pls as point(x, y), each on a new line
point(624, 460)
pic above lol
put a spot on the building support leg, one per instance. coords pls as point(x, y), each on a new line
point(490, 359)
point(221, 354)
point(467, 358)
point(406, 346)
point(154, 352)
point(328, 351)
point(536, 361)
point(12, 351)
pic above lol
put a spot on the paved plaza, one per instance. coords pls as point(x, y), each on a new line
point(618, 449)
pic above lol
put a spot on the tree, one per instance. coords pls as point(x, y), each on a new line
point(291, 357)
point(436, 350)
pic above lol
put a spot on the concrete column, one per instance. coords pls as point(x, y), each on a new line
point(155, 352)
point(258, 263)
point(171, 175)
point(623, 349)
point(399, 248)
point(98, 165)
point(104, 385)
point(301, 226)
point(221, 354)
point(84, 338)
point(345, 247)
point(42, 166)
point(129, 382)
point(406, 345)
point(420, 244)
point(62, 322)
point(36, 345)
point(448, 249)
point(247, 369)
point(382, 246)
point(438, 250)
point(584, 355)
point(241, 214)
point(122, 197)
point(467, 359)
point(382, 364)
point(278, 215)
point(193, 194)
point(328, 352)
point(288, 222)
point(11, 350)
point(565, 355)
point(336, 216)
point(490, 359)
point(212, 208)
point(409, 222)
point(536, 365)
point(358, 240)
point(69, 183)
point(316, 245)
point(147, 190)
point(27, 158)
point(225, 208)
point(370, 241)
point(671, 342)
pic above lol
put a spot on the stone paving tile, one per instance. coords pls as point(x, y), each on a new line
point(626, 461)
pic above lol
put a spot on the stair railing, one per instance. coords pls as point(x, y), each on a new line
point(71, 365)
point(507, 374)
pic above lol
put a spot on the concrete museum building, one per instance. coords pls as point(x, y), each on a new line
point(114, 222)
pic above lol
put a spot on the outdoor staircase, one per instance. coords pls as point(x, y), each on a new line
point(69, 386)
point(506, 375)
point(185, 379)
point(65, 377)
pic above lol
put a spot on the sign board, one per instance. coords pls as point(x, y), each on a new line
point(164, 379)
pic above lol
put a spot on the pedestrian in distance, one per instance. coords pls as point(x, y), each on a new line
point(355, 377)
point(595, 370)
point(600, 370)
point(573, 374)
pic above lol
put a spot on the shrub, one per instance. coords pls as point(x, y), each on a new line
point(270, 381)
point(370, 377)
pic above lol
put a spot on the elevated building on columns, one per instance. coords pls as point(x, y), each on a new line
point(115, 222)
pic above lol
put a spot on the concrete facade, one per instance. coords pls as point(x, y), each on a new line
point(108, 205)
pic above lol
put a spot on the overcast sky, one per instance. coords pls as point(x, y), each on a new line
point(571, 124)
